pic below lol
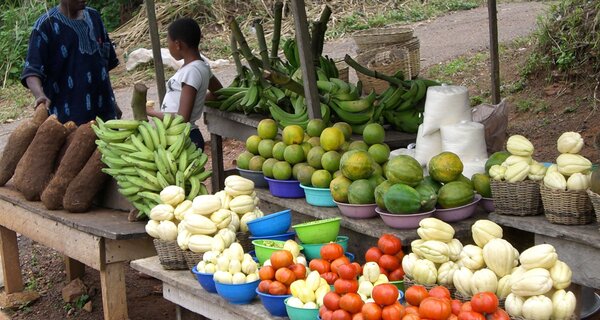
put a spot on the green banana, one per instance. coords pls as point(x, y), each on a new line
point(140, 163)
point(182, 162)
point(344, 87)
point(150, 196)
point(355, 118)
point(394, 99)
point(122, 124)
point(143, 156)
point(130, 191)
point(160, 130)
point(150, 175)
point(148, 141)
point(144, 184)
point(357, 105)
point(229, 91)
point(161, 180)
point(160, 159)
point(166, 121)
point(176, 121)
point(195, 187)
point(174, 130)
point(411, 92)
point(405, 105)
point(421, 90)
point(109, 135)
point(177, 146)
point(327, 86)
point(171, 162)
point(230, 100)
point(124, 147)
point(114, 163)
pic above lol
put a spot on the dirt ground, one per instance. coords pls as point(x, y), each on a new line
point(565, 108)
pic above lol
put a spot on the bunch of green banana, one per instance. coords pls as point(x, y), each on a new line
point(405, 97)
point(327, 65)
point(145, 158)
point(300, 115)
point(290, 51)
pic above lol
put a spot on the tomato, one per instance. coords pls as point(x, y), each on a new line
point(456, 305)
point(440, 292)
point(327, 315)
point(384, 271)
point(338, 262)
point(341, 314)
point(470, 315)
point(484, 302)
point(435, 308)
point(351, 302)
point(358, 316)
point(332, 300)
point(371, 311)
point(399, 255)
point(281, 259)
point(319, 265)
point(285, 276)
point(343, 286)
point(373, 254)
point(389, 244)
point(358, 268)
point(415, 294)
point(277, 288)
point(397, 274)
point(453, 317)
point(389, 262)
point(330, 277)
point(264, 285)
point(347, 271)
point(299, 270)
point(331, 251)
point(393, 311)
point(266, 273)
point(411, 309)
point(322, 309)
point(385, 294)
point(466, 307)
point(500, 314)
point(411, 316)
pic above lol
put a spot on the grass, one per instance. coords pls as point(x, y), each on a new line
point(448, 70)
point(15, 104)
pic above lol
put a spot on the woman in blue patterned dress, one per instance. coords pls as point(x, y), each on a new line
point(67, 65)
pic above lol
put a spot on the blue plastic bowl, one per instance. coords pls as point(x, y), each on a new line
point(281, 237)
point(319, 197)
point(274, 304)
point(350, 256)
point(285, 188)
point(313, 251)
point(206, 280)
point(238, 293)
point(252, 253)
point(256, 176)
point(271, 224)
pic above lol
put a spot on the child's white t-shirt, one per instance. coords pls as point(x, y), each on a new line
point(196, 74)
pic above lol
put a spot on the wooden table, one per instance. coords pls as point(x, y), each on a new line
point(239, 126)
point(101, 239)
point(182, 288)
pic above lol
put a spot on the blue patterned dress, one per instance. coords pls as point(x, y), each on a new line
point(72, 57)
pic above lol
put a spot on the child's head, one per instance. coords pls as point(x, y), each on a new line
point(183, 34)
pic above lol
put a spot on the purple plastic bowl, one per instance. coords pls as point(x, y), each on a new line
point(357, 211)
point(285, 188)
point(458, 213)
point(487, 204)
point(403, 221)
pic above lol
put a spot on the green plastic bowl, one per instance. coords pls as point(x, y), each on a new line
point(399, 284)
point(318, 231)
point(300, 313)
point(264, 248)
point(313, 251)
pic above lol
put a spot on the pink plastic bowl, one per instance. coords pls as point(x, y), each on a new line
point(458, 213)
point(403, 221)
point(487, 204)
point(357, 211)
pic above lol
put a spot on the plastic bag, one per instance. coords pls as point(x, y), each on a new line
point(495, 120)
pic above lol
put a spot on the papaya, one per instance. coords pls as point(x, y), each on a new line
point(356, 164)
point(481, 184)
point(436, 185)
point(402, 199)
point(404, 169)
point(380, 191)
point(339, 188)
point(466, 180)
point(496, 158)
point(361, 192)
point(445, 167)
point(428, 196)
point(455, 194)
point(376, 180)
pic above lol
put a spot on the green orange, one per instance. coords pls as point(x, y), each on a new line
point(252, 144)
point(293, 134)
point(331, 139)
point(267, 129)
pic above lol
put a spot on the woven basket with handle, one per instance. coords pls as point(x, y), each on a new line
point(518, 198)
point(171, 257)
point(414, 52)
point(381, 37)
point(595, 199)
point(387, 61)
point(568, 207)
point(192, 258)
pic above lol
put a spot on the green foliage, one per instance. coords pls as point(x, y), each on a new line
point(114, 12)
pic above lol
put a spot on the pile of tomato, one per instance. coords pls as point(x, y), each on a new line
point(388, 255)
point(350, 306)
point(277, 278)
point(332, 257)
point(437, 304)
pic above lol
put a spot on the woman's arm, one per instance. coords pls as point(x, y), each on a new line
point(153, 113)
point(213, 85)
point(186, 101)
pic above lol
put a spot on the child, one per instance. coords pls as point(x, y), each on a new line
point(187, 88)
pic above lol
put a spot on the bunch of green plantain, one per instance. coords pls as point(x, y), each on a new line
point(145, 158)
point(299, 115)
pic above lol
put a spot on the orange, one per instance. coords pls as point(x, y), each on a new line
point(293, 134)
point(332, 139)
point(267, 129)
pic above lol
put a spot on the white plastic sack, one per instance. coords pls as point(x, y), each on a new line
point(445, 105)
point(472, 167)
point(466, 139)
point(427, 146)
point(409, 151)
point(140, 56)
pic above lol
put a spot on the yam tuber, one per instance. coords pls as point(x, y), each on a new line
point(88, 182)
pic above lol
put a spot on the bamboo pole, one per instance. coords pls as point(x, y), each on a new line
point(155, 40)
point(277, 12)
point(262, 44)
point(253, 62)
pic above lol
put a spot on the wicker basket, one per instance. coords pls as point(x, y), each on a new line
point(408, 282)
point(170, 255)
point(343, 70)
point(595, 199)
point(517, 199)
point(387, 61)
point(244, 240)
point(414, 52)
point(381, 37)
point(566, 207)
point(192, 258)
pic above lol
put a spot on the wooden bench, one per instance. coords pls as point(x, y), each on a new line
point(102, 239)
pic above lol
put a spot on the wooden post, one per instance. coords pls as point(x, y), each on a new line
point(13, 280)
point(114, 298)
point(494, 54)
point(155, 39)
point(306, 60)
point(74, 269)
point(218, 176)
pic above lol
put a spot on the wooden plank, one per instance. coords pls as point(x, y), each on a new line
point(62, 238)
point(74, 269)
point(250, 120)
point(585, 234)
point(229, 128)
point(126, 250)
point(11, 266)
point(181, 288)
point(100, 222)
point(155, 40)
point(114, 298)
point(218, 175)
point(309, 76)
point(373, 227)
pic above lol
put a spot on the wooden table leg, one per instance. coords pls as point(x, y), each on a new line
point(114, 298)
point(218, 175)
point(74, 269)
point(13, 280)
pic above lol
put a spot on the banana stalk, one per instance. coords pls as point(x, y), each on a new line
point(314, 39)
point(277, 12)
point(284, 81)
point(138, 102)
point(253, 62)
point(371, 73)
point(323, 20)
point(262, 44)
point(236, 57)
